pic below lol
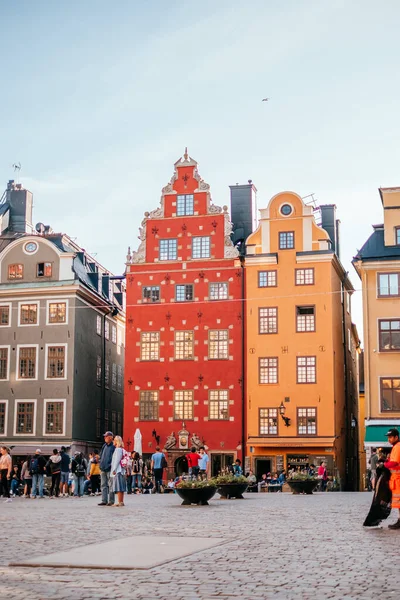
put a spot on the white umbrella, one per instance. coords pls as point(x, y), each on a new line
point(137, 442)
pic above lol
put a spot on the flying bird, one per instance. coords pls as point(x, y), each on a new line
point(265, 99)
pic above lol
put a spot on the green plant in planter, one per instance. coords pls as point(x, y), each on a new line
point(195, 484)
point(301, 477)
point(227, 479)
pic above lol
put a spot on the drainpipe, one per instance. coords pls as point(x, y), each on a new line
point(103, 373)
point(243, 365)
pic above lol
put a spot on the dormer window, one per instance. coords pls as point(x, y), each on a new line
point(15, 271)
point(44, 269)
point(185, 205)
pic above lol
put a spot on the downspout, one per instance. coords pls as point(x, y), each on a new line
point(243, 365)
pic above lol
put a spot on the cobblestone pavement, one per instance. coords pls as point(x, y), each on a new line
point(279, 546)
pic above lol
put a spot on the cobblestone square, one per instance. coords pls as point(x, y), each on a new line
point(279, 546)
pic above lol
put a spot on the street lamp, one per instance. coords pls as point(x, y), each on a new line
point(282, 410)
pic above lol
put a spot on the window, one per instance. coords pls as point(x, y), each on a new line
point(113, 334)
point(307, 421)
point(218, 344)
point(119, 379)
point(114, 421)
point(388, 284)
point(267, 320)
point(390, 394)
point(15, 271)
point(119, 423)
point(28, 314)
point(389, 335)
point(4, 315)
point(183, 405)
point(56, 362)
point(106, 419)
point(54, 423)
point(306, 369)
point(98, 325)
point(58, 312)
point(304, 276)
point(184, 345)
point(397, 236)
point(98, 422)
point(286, 210)
point(201, 247)
point(4, 363)
point(151, 294)
point(267, 279)
point(150, 345)
point(268, 370)
point(218, 291)
point(107, 330)
point(286, 240)
point(305, 318)
point(218, 405)
point(114, 378)
point(27, 363)
point(98, 370)
point(3, 413)
point(168, 250)
point(107, 374)
point(268, 421)
point(348, 302)
point(184, 293)
point(148, 406)
point(44, 269)
point(25, 412)
point(184, 205)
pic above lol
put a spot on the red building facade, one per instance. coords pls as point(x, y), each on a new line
point(184, 327)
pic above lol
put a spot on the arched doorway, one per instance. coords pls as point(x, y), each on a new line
point(181, 466)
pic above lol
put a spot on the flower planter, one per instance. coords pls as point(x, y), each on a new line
point(232, 490)
point(306, 486)
point(200, 495)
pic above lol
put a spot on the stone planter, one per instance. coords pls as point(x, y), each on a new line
point(306, 486)
point(232, 490)
point(200, 495)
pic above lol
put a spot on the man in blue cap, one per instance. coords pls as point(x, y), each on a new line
point(107, 451)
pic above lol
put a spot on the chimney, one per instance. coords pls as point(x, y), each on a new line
point(243, 212)
point(331, 225)
point(21, 204)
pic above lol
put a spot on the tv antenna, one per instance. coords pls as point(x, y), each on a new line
point(17, 168)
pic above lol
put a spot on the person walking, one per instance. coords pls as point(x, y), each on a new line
point(118, 471)
point(26, 477)
point(393, 464)
point(5, 472)
point(204, 463)
point(193, 458)
point(237, 468)
point(106, 454)
point(37, 468)
point(64, 475)
point(94, 473)
point(53, 468)
point(79, 468)
point(373, 461)
point(158, 462)
point(137, 471)
point(323, 476)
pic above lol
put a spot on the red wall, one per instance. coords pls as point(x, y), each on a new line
point(200, 315)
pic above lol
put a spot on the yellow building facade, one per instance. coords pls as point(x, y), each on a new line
point(378, 266)
point(300, 352)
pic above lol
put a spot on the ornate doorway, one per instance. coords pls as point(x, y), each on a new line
point(181, 466)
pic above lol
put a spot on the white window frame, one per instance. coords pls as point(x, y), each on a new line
point(17, 377)
point(114, 334)
point(200, 239)
point(107, 323)
point(219, 285)
point(18, 400)
point(9, 304)
point(98, 320)
point(57, 301)
point(20, 304)
point(8, 362)
point(47, 401)
point(47, 358)
point(4, 401)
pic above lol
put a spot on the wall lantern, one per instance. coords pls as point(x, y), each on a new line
point(282, 410)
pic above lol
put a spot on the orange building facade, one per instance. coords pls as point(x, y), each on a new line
point(301, 359)
point(184, 340)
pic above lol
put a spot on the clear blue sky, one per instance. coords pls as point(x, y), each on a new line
point(99, 99)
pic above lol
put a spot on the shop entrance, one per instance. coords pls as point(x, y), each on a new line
point(263, 466)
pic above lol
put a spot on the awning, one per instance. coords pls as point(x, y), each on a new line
point(375, 435)
point(25, 449)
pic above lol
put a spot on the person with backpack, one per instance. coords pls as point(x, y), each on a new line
point(79, 468)
point(64, 475)
point(137, 471)
point(53, 468)
point(26, 477)
point(106, 454)
point(158, 464)
point(37, 470)
point(119, 463)
point(94, 473)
